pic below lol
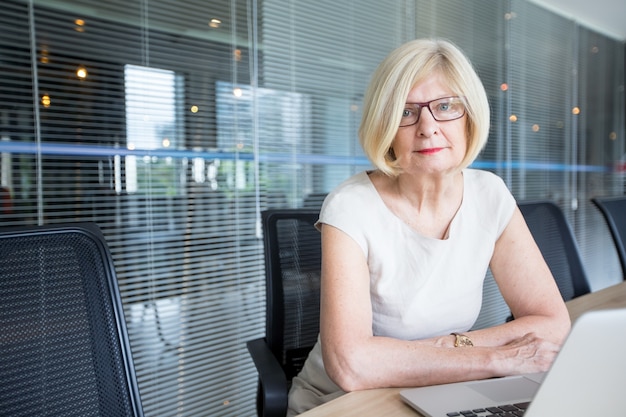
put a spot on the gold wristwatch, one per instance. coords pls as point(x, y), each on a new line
point(462, 340)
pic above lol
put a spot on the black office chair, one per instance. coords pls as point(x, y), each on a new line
point(314, 200)
point(64, 349)
point(292, 249)
point(613, 210)
point(557, 243)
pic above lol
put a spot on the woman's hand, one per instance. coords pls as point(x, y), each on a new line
point(528, 354)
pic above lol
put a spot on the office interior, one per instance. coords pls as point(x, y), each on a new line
point(172, 125)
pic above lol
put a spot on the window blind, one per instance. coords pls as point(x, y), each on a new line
point(172, 125)
point(114, 119)
point(599, 91)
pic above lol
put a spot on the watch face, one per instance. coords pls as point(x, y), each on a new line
point(465, 341)
point(462, 340)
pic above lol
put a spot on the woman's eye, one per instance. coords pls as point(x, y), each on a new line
point(407, 113)
point(443, 106)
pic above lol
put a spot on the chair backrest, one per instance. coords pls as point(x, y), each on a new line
point(64, 349)
point(613, 210)
point(293, 257)
point(557, 243)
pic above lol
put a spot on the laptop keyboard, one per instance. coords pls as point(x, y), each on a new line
point(510, 410)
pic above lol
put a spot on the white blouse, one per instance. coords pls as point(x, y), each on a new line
point(421, 286)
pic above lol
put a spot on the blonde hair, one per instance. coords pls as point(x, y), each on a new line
point(389, 88)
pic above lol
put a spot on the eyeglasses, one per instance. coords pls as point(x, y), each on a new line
point(443, 109)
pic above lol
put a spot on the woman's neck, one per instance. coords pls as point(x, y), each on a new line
point(428, 205)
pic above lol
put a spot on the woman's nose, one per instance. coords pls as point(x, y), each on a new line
point(426, 124)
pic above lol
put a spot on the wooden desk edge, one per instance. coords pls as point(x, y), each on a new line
point(613, 296)
point(379, 402)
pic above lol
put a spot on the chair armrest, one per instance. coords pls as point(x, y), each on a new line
point(272, 399)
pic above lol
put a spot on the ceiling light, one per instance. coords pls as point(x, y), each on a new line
point(81, 72)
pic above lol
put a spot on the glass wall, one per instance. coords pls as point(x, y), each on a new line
point(173, 125)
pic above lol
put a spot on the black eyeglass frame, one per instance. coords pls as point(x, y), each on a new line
point(426, 104)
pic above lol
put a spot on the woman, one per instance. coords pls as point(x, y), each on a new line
point(406, 246)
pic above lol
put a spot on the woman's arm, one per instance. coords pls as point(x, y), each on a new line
point(356, 359)
point(527, 286)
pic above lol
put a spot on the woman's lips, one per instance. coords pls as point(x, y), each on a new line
point(429, 151)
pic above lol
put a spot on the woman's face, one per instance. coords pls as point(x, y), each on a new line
point(430, 146)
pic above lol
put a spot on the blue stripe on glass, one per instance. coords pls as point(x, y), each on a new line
point(107, 151)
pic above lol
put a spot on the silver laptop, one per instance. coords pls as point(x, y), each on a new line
point(587, 378)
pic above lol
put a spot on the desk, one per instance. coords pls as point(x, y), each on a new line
point(610, 297)
point(386, 401)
